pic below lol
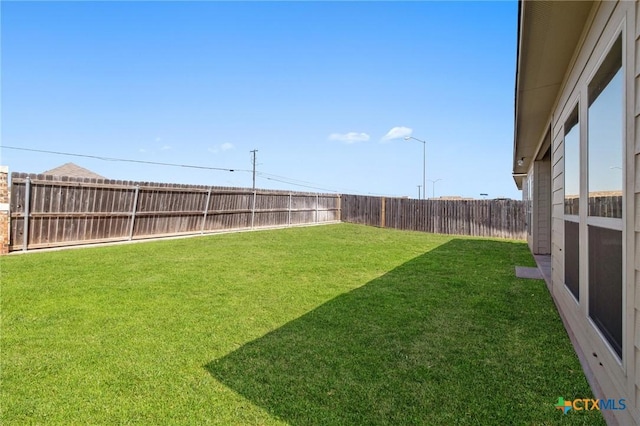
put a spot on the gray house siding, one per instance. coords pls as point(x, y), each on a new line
point(614, 372)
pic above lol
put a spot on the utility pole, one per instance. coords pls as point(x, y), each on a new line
point(254, 168)
point(419, 186)
point(253, 206)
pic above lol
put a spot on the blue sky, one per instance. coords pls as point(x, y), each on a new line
point(320, 89)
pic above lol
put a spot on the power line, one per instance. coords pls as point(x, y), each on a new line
point(267, 176)
point(311, 185)
point(125, 160)
point(300, 185)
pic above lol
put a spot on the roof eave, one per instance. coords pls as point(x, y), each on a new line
point(548, 35)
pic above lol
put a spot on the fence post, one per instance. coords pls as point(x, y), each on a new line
point(206, 210)
point(133, 212)
point(27, 202)
point(289, 215)
point(383, 210)
point(316, 208)
point(5, 211)
point(253, 208)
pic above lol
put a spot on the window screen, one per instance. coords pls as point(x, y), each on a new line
point(572, 257)
point(605, 283)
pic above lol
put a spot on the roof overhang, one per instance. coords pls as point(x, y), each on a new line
point(548, 34)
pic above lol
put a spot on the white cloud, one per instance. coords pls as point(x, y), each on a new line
point(397, 133)
point(224, 147)
point(142, 150)
point(165, 148)
point(351, 137)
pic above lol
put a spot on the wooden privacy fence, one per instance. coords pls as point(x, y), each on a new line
point(483, 218)
point(50, 211)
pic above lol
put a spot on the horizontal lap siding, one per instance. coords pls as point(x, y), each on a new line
point(635, 135)
point(65, 211)
point(610, 378)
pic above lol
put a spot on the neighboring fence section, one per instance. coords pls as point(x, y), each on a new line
point(50, 211)
point(5, 220)
point(484, 218)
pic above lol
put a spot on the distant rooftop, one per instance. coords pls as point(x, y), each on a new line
point(73, 170)
point(452, 198)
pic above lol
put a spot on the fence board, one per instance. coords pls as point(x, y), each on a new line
point(68, 211)
point(486, 218)
point(65, 211)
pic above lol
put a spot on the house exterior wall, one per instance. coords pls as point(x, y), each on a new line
point(536, 194)
point(633, 181)
point(611, 376)
point(527, 197)
point(542, 205)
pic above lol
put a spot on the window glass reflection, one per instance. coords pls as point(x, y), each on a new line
point(605, 137)
point(572, 164)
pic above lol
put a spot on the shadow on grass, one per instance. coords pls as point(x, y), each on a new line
point(448, 337)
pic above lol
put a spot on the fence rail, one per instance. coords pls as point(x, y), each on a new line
point(51, 211)
point(483, 218)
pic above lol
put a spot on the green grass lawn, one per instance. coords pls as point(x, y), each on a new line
point(340, 324)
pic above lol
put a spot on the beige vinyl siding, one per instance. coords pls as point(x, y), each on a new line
point(557, 208)
point(633, 130)
point(528, 217)
point(542, 172)
point(611, 377)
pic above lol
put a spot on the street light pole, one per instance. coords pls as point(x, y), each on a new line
point(424, 163)
point(254, 167)
point(434, 186)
